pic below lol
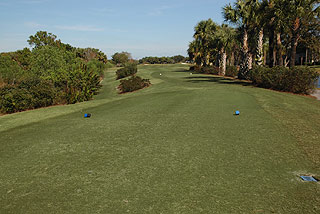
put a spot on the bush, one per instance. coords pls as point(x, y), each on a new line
point(10, 71)
point(205, 69)
point(210, 70)
point(14, 99)
point(231, 71)
point(50, 63)
point(195, 68)
point(128, 70)
point(42, 92)
point(82, 83)
point(133, 83)
point(300, 80)
point(31, 93)
point(97, 66)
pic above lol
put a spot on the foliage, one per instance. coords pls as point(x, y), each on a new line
point(88, 54)
point(98, 66)
point(205, 69)
point(129, 70)
point(231, 71)
point(22, 57)
point(10, 71)
point(53, 73)
point(133, 83)
point(31, 93)
point(163, 60)
point(121, 58)
point(50, 63)
point(82, 83)
point(42, 38)
point(300, 80)
point(178, 58)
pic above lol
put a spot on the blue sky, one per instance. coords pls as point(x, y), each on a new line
point(141, 27)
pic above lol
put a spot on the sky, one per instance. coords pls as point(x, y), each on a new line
point(140, 27)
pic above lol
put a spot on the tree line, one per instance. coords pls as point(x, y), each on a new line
point(265, 32)
point(121, 58)
point(51, 73)
point(163, 60)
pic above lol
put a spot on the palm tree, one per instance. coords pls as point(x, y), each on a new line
point(193, 52)
point(204, 34)
point(257, 16)
point(224, 38)
point(274, 21)
point(241, 15)
point(298, 13)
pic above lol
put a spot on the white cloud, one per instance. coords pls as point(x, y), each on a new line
point(159, 11)
point(79, 28)
point(103, 11)
point(34, 25)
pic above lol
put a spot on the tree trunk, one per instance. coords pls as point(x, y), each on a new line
point(244, 66)
point(250, 61)
point(222, 62)
point(271, 47)
point(232, 59)
point(306, 56)
point(279, 50)
point(294, 42)
point(265, 56)
point(259, 58)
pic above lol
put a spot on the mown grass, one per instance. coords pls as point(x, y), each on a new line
point(174, 147)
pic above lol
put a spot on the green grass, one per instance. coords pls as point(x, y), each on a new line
point(174, 147)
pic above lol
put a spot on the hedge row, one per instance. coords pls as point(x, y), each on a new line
point(31, 93)
point(300, 80)
point(231, 71)
point(205, 69)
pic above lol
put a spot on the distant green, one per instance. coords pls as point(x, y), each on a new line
point(174, 147)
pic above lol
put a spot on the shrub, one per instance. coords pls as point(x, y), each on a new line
point(133, 83)
point(29, 94)
point(128, 70)
point(195, 68)
point(299, 80)
point(82, 83)
point(231, 71)
point(42, 92)
point(10, 71)
point(302, 80)
point(121, 58)
point(14, 99)
point(49, 63)
point(210, 70)
point(97, 66)
point(205, 69)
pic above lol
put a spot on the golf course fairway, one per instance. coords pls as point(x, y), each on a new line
point(174, 147)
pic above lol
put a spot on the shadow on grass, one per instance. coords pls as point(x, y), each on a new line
point(183, 71)
point(217, 79)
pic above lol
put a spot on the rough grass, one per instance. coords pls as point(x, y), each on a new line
point(174, 147)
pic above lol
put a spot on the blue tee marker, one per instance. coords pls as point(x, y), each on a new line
point(87, 115)
point(237, 113)
point(308, 178)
